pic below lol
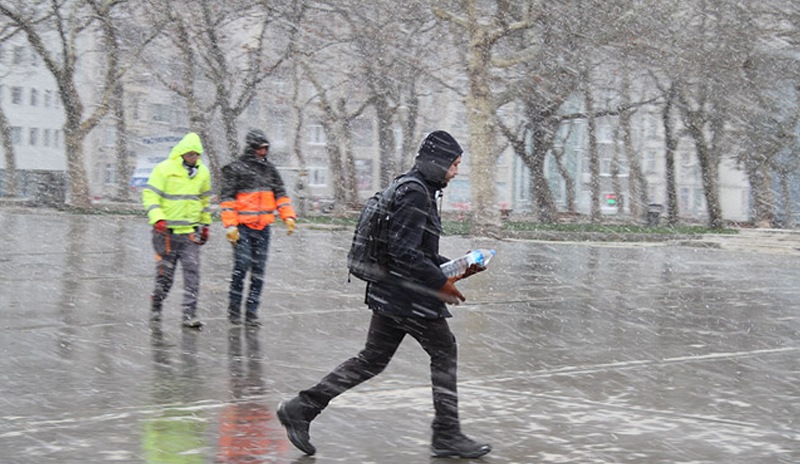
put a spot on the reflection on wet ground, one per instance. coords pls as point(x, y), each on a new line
point(572, 353)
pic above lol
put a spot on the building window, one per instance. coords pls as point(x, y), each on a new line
point(57, 138)
point(362, 132)
point(316, 134)
point(278, 85)
point(133, 105)
point(160, 113)
point(317, 177)
point(48, 98)
point(46, 137)
point(16, 95)
point(19, 54)
point(110, 174)
point(279, 133)
point(650, 162)
point(254, 108)
point(16, 135)
point(33, 137)
point(111, 135)
point(34, 97)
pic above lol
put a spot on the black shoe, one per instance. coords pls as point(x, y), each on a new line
point(253, 323)
point(290, 413)
point(457, 445)
point(155, 312)
point(235, 320)
point(193, 323)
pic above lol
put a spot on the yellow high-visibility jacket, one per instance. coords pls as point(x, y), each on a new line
point(172, 195)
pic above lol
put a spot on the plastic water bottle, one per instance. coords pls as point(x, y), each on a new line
point(458, 266)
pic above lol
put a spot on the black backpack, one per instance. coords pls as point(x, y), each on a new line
point(368, 255)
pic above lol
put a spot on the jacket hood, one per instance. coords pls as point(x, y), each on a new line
point(190, 142)
point(255, 138)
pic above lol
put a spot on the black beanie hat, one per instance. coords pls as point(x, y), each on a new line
point(440, 145)
point(256, 139)
point(436, 153)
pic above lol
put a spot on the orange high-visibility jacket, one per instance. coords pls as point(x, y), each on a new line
point(252, 191)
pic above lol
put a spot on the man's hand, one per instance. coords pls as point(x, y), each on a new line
point(204, 233)
point(233, 236)
point(291, 224)
point(449, 293)
point(160, 226)
point(472, 270)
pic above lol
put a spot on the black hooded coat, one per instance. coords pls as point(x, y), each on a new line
point(414, 232)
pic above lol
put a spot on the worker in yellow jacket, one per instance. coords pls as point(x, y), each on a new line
point(177, 198)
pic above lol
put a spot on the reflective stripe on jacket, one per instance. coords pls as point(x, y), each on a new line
point(252, 191)
point(171, 195)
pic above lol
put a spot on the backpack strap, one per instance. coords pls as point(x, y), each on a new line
point(405, 180)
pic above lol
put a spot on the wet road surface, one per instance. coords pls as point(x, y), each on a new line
point(569, 353)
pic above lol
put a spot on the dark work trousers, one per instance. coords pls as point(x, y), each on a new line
point(385, 334)
point(171, 248)
point(250, 254)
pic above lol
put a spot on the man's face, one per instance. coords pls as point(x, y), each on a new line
point(261, 151)
point(191, 158)
point(452, 171)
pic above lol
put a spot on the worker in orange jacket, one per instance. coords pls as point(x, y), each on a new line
point(252, 192)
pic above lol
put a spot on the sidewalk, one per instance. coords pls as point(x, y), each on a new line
point(568, 352)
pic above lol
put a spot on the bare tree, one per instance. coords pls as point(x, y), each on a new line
point(637, 182)
point(390, 51)
point(10, 158)
point(227, 50)
point(337, 122)
point(10, 180)
point(112, 53)
point(671, 145)
point(54, 29)
point(484, 26)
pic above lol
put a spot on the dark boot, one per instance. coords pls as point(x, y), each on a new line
point(155, 310)
point(296, 418)
point(457, 445)
point(234, 316)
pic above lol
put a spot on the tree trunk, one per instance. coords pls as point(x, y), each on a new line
point(350, 180)
point(671, 145)
point(541, 195)
point(79, 185)
point(480, 123)
point(409, 126)
point(786, 199)
point(388, 166)
point(759, 175)
point(123, 165)
point(695, 122)
point(594, 160)
point(569, 182)
point(10, 187)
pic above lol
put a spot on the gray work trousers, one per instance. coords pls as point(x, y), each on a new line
point(170, 249)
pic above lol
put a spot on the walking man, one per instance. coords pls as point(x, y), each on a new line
point(411, 302)
point(252, 189)
point(176, 198)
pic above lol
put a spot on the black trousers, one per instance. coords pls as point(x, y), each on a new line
point(384, 337)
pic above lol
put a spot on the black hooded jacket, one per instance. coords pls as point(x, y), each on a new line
point(414, 231)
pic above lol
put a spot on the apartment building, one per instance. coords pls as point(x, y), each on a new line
point(29, 99)
point(156, 119)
